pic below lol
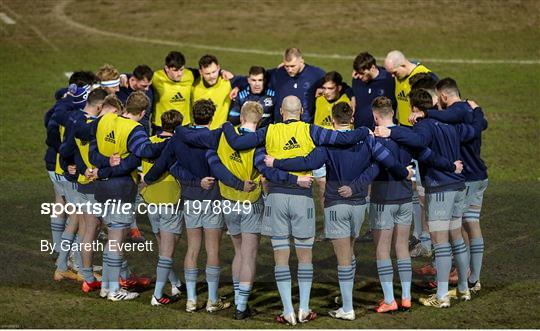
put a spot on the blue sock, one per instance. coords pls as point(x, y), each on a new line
point(190, 274)
point(353, 266)
point(305, 278)
point(58, 226)
point(386, 277)
point(477, 253)
point(65, 248)
point(346, 283)
point(244, 289)
point(212, 279)
point(425, 239)
point(163, 269)
point(283, 281)
point(459, 249)
point(417, 215)
point(443, 263)
point(173, 278)
point(105, 271)
point(236, 286)
point(77, 259)
point(405, 276)
point(115, 263)
point(88, 274)
point(124, 270)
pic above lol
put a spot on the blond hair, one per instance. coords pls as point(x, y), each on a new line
point(252, 111)
point(107, 72)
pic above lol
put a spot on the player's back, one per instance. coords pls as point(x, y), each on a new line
point(445, 142)
point(386, 189)
point(343, 165)
point(194, 160)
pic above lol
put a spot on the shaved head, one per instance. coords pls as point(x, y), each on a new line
point(291, 107)
point(394, 59)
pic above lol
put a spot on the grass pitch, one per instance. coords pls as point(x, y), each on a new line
point(50, 38)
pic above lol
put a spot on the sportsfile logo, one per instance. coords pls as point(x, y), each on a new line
point(291, 144)
point(402, 96)
point(177, 98)
point(110, 137)
point(236, 157)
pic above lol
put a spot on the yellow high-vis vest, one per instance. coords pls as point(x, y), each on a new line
point(240, 164)
point(166, 189)
point(403, 88)
point(219, 94)
point(323, 110)
point(172, 95)
point(287, 140)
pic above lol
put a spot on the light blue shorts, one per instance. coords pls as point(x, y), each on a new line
point(239, 222)
point(197, 214)
point(166, 220)
point(384, 217)
point(444, 210)
point(342, 221)
point(289, 215)
point(473, 200)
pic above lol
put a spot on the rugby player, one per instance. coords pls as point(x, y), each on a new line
point(166, 223)
point(258, 91)
point(475, 171)
point(402, 69)
point(124, 136)
point(199, 193)
point(369, 81)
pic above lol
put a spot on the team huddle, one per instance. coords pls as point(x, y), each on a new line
point(240, 154)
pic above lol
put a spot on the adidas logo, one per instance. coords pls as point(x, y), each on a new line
point(177, 97)
point(236, 157)
point(110, 137)
point(327, 121)
point(291, 144)
point(402, 96)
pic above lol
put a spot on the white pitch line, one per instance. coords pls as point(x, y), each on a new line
point(59, 13)
point(33, 28)
point(6, 19)
point(68, 73)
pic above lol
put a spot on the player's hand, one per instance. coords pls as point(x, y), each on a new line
point(114, 160)
point(382, 131)
point(280, 65)
point(72, 169)
point(472, 104)
point(123, 80)
point(410, 172)
point(304, 181)
point(234, 93)
point(89, 174)
point(226, 74)
point(207, 182)
point(345, 191)
point(355, 75)
point(269, 161)
point(459, 166)
point(413, 117)
point(319, 92)
point(249, 186)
